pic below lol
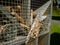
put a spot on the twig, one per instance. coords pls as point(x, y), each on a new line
point(25, 26)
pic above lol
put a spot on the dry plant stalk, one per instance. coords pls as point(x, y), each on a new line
point(25, 26)
point(18, 15)
point(19, 18)
point(34, 30)
point(13, 12)
point(3, 28)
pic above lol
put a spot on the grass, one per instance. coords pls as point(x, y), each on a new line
point(55, 28)
point(56, 12)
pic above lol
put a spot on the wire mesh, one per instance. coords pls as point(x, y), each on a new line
point(11, 19)
point(17, 18)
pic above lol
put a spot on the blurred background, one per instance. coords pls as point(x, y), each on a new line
point(55, 26)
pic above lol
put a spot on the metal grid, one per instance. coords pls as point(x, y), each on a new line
point(11, 20)
point(18, 17)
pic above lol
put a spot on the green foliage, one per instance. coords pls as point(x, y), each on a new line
point(55, 28)
point(56, 12)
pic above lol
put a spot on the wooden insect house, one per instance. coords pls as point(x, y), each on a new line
point(25, 22)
